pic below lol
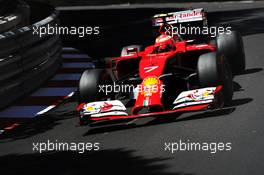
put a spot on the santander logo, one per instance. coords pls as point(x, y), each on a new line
point(192, 14)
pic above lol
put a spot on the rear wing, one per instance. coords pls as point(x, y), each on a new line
point(179, 17)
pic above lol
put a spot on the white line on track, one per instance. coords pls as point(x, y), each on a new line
point(45, 110)
point(53, 106)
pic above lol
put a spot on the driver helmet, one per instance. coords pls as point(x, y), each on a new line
point(164, 43)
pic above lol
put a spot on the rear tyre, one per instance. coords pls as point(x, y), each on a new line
point(231, 45)
point(214, 70)
point(89, 84)
point(124, 50)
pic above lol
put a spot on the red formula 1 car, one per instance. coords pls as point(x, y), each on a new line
point(171, 76)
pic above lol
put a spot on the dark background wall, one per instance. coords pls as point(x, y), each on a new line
point(104, 2)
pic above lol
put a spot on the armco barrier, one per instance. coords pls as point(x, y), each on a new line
point(10, 21)
point(13, 14)
point(27, 60)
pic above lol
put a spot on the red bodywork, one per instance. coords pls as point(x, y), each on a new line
point(152, 64)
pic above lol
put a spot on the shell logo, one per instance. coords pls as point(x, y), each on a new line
point(197, 96)
point(90, 108)
point(206, 94)
point(150, 86)
point(149, 81)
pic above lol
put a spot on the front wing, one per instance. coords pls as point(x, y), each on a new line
point(187, 101)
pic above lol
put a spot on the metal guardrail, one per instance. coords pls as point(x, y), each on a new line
point(27, 60)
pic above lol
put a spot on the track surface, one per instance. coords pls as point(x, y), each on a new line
point(138, 148)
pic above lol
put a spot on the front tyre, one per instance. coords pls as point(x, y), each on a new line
point(213, 70)
point(90, 83)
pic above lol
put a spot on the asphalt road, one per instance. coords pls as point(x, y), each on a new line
point(138, 147)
